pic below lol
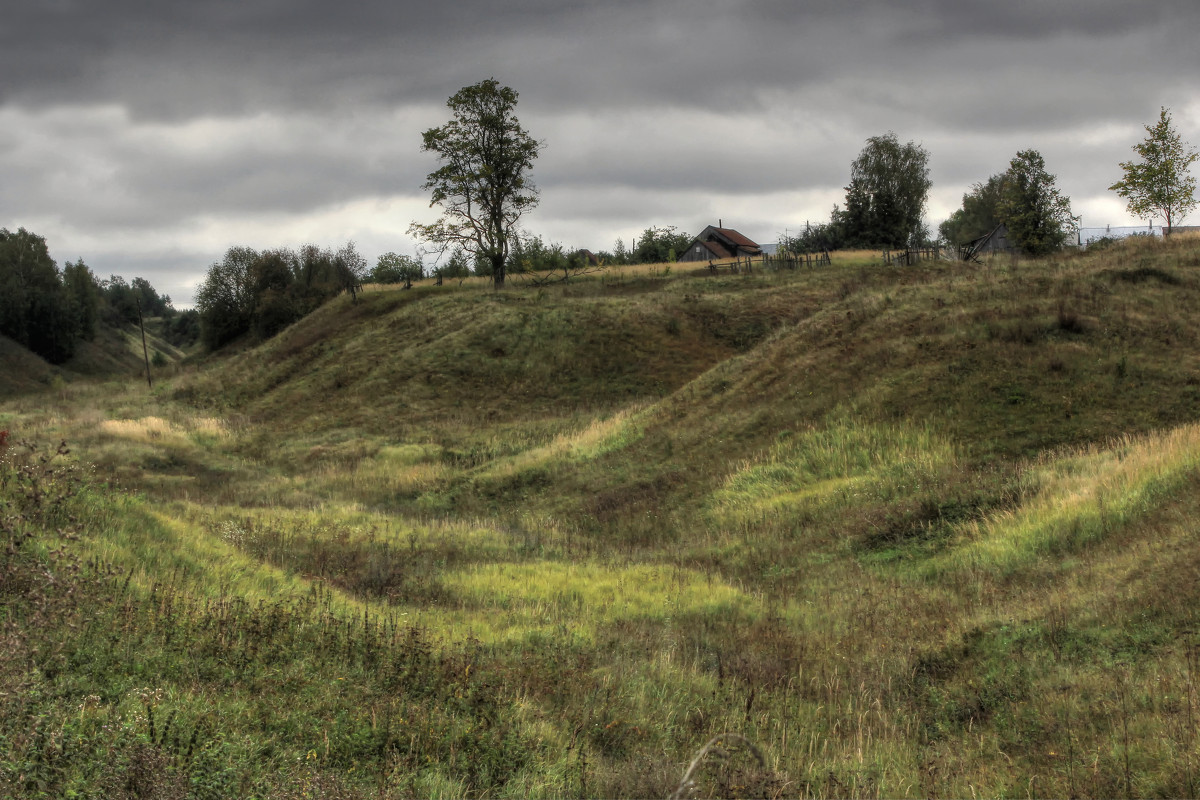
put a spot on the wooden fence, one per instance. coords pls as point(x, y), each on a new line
point(776, 261)
point(902, 258)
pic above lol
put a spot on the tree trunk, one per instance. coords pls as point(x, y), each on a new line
point(498, 271)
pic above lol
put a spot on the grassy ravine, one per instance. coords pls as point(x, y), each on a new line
point(111, 351)
point(921, 532)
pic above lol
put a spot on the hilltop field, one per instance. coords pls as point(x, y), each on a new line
point(915, 532)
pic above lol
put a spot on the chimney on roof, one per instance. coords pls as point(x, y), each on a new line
point(720, 223)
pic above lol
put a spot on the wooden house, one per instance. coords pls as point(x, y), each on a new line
point(715, 243)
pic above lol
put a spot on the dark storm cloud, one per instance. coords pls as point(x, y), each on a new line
point(179, 60)
point(171, 59)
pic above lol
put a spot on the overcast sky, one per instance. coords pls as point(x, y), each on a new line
point(147, 138)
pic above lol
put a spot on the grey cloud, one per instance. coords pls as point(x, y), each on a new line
point(96, 167)
point(654, 111)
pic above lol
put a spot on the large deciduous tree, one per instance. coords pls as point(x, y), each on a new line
point(889, 184)
point(1037, 214)
point(482, 185)
point(1160, 184)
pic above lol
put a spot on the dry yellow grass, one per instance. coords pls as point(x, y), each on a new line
point(156, 430)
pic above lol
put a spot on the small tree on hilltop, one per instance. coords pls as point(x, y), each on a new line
point(482, 185)
point(1159, 185)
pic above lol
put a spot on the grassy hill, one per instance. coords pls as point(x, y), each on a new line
point(908, 532)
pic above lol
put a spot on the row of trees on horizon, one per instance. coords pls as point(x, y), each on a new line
point(483, 193)
point(261, 292)
point(889, 185)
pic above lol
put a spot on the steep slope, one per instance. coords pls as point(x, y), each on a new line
point(1007, 361)
point(693, 375)
point(1004, 362)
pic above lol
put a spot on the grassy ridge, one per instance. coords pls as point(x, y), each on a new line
point(911, 532)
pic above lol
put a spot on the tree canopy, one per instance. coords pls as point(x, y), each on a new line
point(43, 309)
point(1160, 184)
point(1037, 214)
point(657, 245)
point(262, 292)
point(396, 268)
point(483, 185)
point(885, 201)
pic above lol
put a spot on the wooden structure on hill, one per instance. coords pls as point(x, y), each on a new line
point(716, 244)
point(995, 242)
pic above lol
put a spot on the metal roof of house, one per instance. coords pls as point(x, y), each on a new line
point(735, 237)
point(716, 249)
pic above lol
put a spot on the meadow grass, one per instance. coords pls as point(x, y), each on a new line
point(910, 532)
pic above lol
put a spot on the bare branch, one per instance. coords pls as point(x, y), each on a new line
point(711, 749)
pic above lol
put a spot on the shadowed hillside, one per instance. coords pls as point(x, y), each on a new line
point(112, 353)
point(20, 370)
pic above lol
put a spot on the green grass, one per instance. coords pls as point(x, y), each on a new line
point(911, 532)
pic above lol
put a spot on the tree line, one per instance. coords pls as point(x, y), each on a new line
point(530, 252)
point(483, 188)
point(50, 310)
point(260, 293)
point(889, 187)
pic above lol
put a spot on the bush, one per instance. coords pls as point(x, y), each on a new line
point(394, 268)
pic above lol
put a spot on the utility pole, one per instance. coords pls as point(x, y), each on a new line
point(145, 351)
